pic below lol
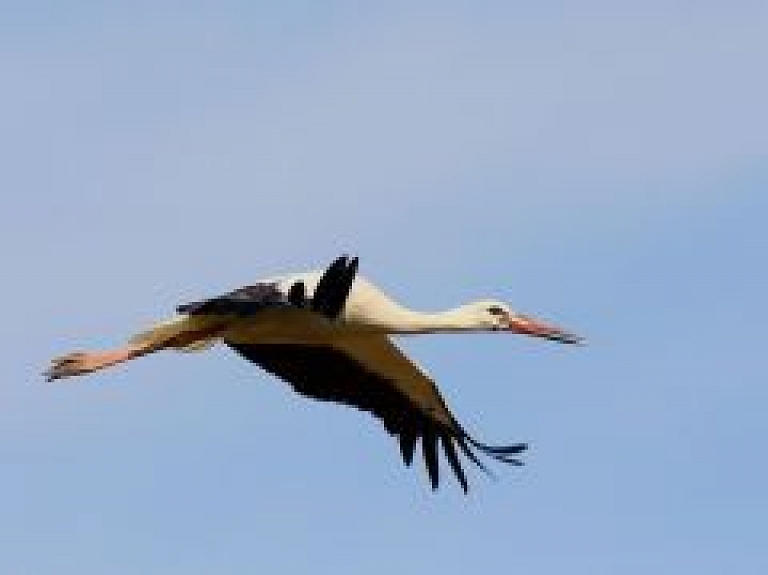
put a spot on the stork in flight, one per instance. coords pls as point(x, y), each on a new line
point(328, 335)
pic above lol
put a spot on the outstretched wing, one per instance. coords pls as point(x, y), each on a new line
point(372, 374)
point(330, 295)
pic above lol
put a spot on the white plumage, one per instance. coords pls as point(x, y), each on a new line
point(328, 335)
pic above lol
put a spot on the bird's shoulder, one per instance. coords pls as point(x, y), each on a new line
point(361, 286)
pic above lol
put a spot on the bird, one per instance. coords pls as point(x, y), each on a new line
point(329, 334)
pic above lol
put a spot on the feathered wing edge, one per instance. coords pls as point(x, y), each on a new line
point(414, 424)
point(329, 299)
point(327, 374)
point(467, 445)
point(333, 288)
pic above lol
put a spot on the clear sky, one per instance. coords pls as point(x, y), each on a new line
point(598, 165)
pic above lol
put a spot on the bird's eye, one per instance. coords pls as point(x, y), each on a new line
point(496, 310)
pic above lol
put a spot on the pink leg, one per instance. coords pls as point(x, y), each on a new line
point(80, 363)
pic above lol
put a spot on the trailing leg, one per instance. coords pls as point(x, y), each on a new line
point(80, 363)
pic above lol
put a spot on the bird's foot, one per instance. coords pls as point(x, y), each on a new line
point(80, 363)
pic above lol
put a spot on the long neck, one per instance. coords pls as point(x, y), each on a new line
point(400, 320)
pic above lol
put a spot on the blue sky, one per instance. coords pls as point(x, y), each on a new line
point(598, 165)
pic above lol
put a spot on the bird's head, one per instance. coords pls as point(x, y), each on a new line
point(494, 315)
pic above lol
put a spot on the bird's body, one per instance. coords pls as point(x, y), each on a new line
point(328, 335)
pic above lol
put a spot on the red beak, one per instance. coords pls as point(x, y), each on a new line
point(530, 326)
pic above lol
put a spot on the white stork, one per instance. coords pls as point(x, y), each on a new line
point(328, 335)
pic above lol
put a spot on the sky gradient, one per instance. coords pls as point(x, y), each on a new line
point(600, 166)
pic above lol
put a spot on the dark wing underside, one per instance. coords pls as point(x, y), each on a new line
point(328, 374)
point(410, 409)
point(328, 300)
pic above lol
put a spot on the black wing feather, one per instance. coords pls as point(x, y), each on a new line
point(334, 286)
point(297, 295)
point(408, 445)
point(329, 297)
point(330, 375)
point(324, 373)
point(453, 460)
point(429, 447)
point(244, 301)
